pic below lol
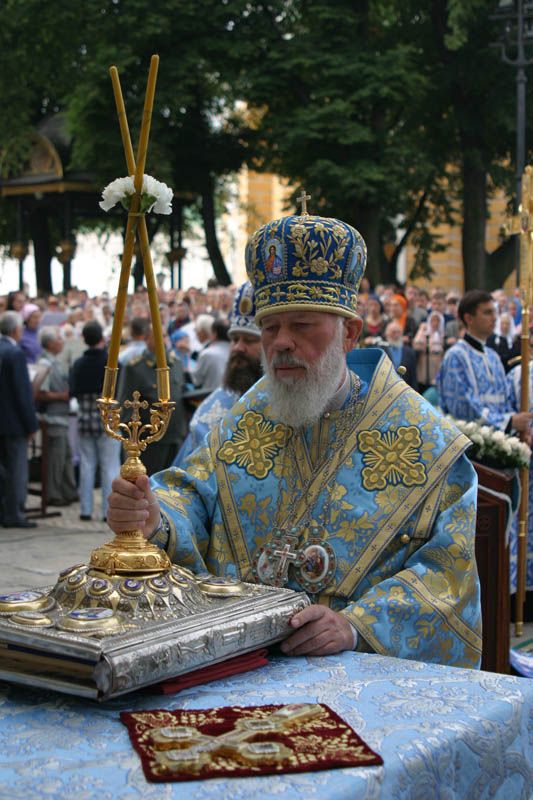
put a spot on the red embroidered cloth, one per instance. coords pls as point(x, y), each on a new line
point(238, 741)
point(232, 666)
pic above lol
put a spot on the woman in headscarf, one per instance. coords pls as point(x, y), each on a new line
point(398, 309)
point(429, 344)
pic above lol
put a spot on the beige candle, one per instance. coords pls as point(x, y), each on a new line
point(136, 223)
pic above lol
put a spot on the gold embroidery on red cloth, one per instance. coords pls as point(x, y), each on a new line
point(187, 745)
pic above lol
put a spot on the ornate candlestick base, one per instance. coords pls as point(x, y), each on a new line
point(130, 553)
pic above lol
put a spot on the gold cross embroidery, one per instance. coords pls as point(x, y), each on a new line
point(392, 457)
point(185, 748)
point(254, 444)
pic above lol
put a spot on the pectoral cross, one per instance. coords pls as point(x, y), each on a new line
point(303, 202)
point(285, 556)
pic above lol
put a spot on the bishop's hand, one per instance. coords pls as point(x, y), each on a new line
point(133, 506)
point(319, 632)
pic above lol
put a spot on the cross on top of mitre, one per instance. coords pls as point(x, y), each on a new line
point(302, 200)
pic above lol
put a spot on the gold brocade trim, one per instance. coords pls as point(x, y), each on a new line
point(365, 632)
point(229, 509)
point(370, 411)
point(391, 457)
point(304, 459)
point(254, 444)
point(385, 389)
point(397, 518)
point(428, 510)
point(444, 609)
point(271, 307)
point(231, 516)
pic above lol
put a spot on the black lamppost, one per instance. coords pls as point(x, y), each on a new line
point(517, 18)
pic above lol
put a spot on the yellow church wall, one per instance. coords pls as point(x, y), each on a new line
point(448, 265)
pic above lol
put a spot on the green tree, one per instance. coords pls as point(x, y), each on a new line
point(477, 94)
point(35, 74)
point(196, 136)
point(395, 116)
point(343, 90)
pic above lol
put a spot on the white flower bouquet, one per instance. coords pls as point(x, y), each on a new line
point(155, 196)
point(493, 447)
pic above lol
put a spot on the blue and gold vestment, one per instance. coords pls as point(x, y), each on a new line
point(400, 513)
point(206, 415)
point(472, 385)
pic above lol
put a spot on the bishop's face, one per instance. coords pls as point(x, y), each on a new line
point(293, 341)
point(304, 360)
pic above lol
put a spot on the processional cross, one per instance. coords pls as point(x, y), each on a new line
point(522, 224)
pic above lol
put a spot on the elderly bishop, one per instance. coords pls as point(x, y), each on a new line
point(330, 475)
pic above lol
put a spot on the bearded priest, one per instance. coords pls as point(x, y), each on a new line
point(333, 479)
point(242, 371)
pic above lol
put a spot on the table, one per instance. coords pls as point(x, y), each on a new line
point(443, 733)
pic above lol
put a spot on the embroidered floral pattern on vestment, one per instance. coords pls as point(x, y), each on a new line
point(392, 457)
point(254, 444)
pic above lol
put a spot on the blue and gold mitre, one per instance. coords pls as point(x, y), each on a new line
point(306, 263)
point(242, 317)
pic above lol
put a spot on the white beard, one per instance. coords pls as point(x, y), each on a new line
point(298, 401)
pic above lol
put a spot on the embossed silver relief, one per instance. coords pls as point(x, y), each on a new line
point(127, 633)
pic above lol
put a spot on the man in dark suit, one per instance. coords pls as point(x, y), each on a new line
point(401, 355)
point(18, 422)
point(140, 374)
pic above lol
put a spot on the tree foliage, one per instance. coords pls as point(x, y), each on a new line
point(395, 115)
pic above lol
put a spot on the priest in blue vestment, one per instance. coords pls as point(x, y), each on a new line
point(341, 482)
point(471, 381)
point(242, 371)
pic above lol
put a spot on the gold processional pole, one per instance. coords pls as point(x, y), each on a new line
point(129, 553)
point(523, 224)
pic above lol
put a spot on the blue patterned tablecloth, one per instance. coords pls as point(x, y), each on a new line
point(444, 733)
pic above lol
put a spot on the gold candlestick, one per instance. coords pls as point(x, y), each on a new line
point(129, 553)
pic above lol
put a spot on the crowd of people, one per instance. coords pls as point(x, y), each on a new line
point(416, 328)
point(416, 324)
point(64, 336)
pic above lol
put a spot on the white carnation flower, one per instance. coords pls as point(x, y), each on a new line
point(161, 192)
point(116, 191)
point(499, 436)
point(485, 431)
point(155, 195)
